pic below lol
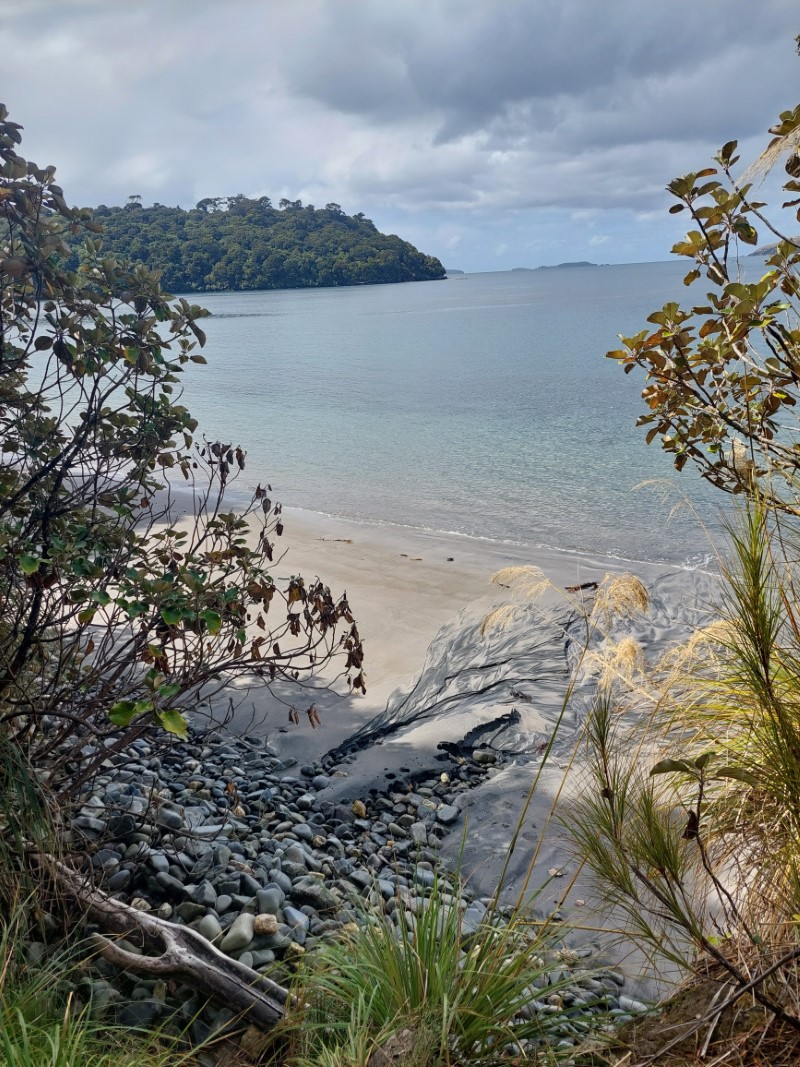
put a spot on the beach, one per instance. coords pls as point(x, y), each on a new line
point(404, 585)
point(421, 600)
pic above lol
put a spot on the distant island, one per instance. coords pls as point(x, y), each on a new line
point(769, 250)
point(452, 270)
point(234, 242)
point(560, 266)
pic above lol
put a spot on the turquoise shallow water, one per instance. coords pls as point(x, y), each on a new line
point(480, 405)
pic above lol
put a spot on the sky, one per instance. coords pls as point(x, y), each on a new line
point(490, 133)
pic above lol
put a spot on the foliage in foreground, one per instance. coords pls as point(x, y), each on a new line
point(691, 818)
point(42, 1026)
point(692, 822)
point(723, 376)
point(429, 989)
point(115, 616)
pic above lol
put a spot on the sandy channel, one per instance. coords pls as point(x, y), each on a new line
point(409, 588)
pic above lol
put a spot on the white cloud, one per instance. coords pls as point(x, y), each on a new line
point(436, 117)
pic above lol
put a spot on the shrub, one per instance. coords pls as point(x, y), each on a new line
point(114, 616)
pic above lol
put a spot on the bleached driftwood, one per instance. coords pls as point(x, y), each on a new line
point(257, 999)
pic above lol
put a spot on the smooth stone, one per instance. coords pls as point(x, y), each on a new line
point(171, 885)
point(263, 957)
point(229, 883)
point(222, 855)
point(419, 833)
point(224, 901)
point(294, 918)
point(88, 825)
point(629, 1004)
point(119, 880)
point(295, 854)
point(140, 1014)
point(316, 895)
point(121, 826)
point(204, 894)
point(270, 900)
point(484, 756)
point(209, 927)
point(159, 862)
point(189, 911)
point(169, 819)
point(282, 880)
point(240, 933)
point(249, 886)
point(361, 879)
point(447, 814)
point(293, 870)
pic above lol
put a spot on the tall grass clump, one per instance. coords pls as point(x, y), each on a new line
point(690, 819)
point(42, 1024)
point(426, 991)
point(25, 822)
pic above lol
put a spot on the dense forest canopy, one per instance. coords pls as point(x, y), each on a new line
point(239, 243)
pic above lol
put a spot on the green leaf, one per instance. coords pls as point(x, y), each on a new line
point(122, 712)
point(173, 722)
point(701, 761)
point(673, 766)
point(213, 621)
point(29, 564)
point(171, 616)
point(171, 690)
point(739, 773)
point(100, 596)
point(86, 615)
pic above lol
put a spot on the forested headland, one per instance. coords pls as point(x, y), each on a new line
point(238, 243)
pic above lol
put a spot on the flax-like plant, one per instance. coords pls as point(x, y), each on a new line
point(442, 993)
point(691, 819)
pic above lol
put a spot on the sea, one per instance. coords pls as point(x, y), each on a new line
point(481, 405)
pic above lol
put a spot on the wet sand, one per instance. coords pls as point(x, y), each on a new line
point(419, 599)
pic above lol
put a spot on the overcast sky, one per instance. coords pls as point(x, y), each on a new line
point(491, 133)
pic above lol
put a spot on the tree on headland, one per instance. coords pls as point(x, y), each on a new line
point(115, 617)
point(237, 242)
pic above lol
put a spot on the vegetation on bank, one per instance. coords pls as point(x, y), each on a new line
point(692, 823)
point(113, 624)
point(240, 243)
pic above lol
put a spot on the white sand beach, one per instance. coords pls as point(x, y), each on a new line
point(416, 595)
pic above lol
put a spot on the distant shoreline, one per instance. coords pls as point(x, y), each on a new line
point(569, 265)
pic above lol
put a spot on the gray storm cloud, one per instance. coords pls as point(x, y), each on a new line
point(439, 108)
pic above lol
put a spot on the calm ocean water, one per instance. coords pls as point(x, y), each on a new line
point(481, 405)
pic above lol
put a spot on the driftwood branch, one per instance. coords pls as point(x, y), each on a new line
point(183, 951)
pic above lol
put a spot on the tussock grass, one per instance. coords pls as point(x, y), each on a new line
point(41, 1024)
point(620, 662)
point(690, 819)
point(526, 582)
point(620, 596)
point(499, 619)
point(440, 995)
